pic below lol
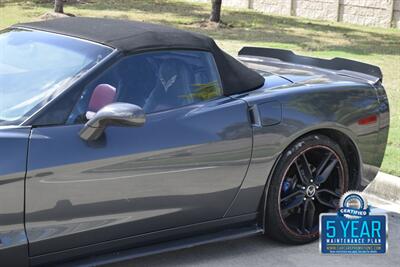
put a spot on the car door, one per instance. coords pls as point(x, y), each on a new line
point(183, 166)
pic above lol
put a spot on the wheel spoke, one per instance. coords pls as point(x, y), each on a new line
point(303, 169)
point(297, 193)
point(308, 213)
point(327, 203)
point(330, 192)
point(327, 171)
point(303, 216)
point(306, 165)
point(323, 163)
point(295, 202)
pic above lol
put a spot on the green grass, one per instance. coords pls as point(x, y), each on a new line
point(309, 37)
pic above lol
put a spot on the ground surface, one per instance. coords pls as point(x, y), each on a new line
point(261, 251)
point(308, 37)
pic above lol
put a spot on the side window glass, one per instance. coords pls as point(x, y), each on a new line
point(155, 81)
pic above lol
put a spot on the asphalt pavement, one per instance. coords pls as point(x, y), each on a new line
point(262, 251)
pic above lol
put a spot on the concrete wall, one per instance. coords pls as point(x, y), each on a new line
point(316, 9)
point(396, 14)
point(231, 3)
point(381, 13)
point(366, 12)
point(280, 7)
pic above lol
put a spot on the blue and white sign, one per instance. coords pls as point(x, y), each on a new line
point(353, 230)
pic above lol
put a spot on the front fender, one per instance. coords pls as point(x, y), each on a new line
point(13, 241)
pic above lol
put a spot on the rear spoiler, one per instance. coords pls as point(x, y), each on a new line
point(336, 63)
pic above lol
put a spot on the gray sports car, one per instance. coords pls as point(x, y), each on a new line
point(121, 139)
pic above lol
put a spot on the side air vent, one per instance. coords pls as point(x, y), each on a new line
point(254, 116)
point(265, 114)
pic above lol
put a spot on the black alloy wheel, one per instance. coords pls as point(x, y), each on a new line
point(309, 180)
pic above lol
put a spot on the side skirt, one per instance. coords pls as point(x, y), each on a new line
point(153, 243)
point(168, 246)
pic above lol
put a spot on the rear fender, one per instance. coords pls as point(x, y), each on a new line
point(307, 108)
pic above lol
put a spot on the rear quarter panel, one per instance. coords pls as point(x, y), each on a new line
point(320, 103)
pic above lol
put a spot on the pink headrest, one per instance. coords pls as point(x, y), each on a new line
point(102, 95)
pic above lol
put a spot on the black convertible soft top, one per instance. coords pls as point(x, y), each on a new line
point(134, 37)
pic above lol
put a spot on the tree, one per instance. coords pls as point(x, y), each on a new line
point(59, 6)
point(216, 11)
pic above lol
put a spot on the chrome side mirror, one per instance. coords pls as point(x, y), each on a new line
point(116, 114)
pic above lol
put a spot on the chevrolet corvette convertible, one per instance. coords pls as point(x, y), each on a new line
point(122, 139)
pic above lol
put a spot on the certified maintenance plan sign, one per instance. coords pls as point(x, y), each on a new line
point(353, 230)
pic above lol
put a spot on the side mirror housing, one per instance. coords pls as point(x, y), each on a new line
point(115, 114)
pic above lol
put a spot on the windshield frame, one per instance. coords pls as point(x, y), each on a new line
point(113, 51)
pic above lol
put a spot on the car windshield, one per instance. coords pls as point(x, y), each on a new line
point(37, 66)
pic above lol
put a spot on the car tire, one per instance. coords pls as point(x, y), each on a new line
point(288, 177)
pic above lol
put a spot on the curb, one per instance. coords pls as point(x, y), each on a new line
point(384, 192)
